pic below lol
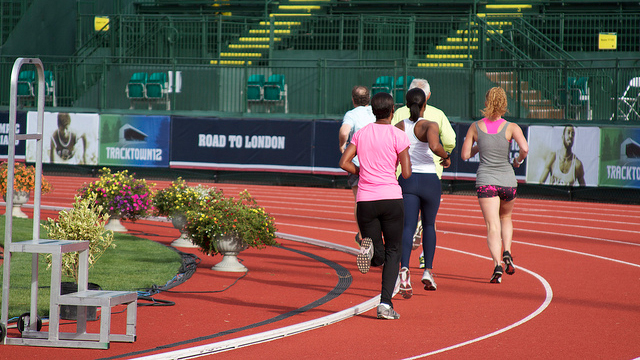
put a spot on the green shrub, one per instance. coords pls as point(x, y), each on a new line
point(85, 221)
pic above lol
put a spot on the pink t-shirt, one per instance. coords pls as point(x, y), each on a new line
point(377, 147)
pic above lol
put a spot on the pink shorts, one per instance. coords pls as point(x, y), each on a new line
point(504, 193)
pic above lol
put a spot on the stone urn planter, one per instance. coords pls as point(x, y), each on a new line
point(19, 198)
point(230, 247)
point(115, 225)
point(179, 220)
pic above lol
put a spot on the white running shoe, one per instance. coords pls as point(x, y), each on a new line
point(405, 283)
point(363, 260)
point(427, 280)
point(386, 312)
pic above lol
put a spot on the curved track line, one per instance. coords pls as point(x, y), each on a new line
point(540, 232)
point(545, 304)
point(271, 335)
point(275, 334)
point(561, 249)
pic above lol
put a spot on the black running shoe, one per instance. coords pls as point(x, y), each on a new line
point(496, 278)
point(509, 268)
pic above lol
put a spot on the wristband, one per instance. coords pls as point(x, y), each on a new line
point(448, 156)
point(519, 162)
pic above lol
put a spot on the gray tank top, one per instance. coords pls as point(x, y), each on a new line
point(494, 168)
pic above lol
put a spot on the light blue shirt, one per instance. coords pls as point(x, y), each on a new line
point(358, 118)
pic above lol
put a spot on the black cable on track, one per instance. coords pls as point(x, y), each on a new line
point(344, 281)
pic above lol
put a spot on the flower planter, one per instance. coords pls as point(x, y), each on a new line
point(230, 247)
point(19, 198)
point(179, 220)
point(115, 225)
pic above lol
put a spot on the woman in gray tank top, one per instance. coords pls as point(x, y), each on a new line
point(495, 179)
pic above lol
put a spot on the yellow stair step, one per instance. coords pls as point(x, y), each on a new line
point(307, 8)
point(287, 14)
point(458, 40)
point(499, 14)
point(267, 31)
point(257, 39)
point(281, 23)
point(229, 54)
point(248, 46)
point(465, 32)
point(230, 62)
point(517, 7)
point(456, 47)
point(440, 65)
point(449, 56)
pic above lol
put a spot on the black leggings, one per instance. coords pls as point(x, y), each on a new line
point(378, 219)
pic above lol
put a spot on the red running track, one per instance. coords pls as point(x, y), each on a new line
point(575, 293)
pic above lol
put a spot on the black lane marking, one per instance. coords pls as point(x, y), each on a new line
point(344, 281)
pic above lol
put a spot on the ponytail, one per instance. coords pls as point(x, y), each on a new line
point(415, 99)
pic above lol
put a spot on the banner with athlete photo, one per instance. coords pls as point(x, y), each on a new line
point(68, 138)
point(134, 140)
point(620, 157)
point(563, 155)
point(21, 128)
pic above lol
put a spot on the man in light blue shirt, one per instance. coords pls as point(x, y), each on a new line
point(354, 120)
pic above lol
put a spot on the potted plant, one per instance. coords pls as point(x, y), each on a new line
point(121, 195)
point(220, 222)
point(24, 180)
point(174, 201)
point(85, 221)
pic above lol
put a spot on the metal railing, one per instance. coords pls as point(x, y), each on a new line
point(321, 88)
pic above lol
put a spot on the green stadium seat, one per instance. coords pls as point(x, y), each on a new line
point(275, 91)
point(255, 86)
point(136, 88)
point(382, 84)
point(26, 83)
point(574, 96)
point(157, 85)
point(157, 89)
point(400, 88)
point(50, 87)
point(274, 88)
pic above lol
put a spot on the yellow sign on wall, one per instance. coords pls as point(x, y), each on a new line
point(101, 23)
point(607, 41)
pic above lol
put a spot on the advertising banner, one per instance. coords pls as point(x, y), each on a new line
point(134, 140)
point(68, 138)
point(466, 169)
point(326, 152)
point(563, 155)
point(620, 157)
point(21, 128)
point(233, 144)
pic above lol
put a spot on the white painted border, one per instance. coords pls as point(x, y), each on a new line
point(271, 335)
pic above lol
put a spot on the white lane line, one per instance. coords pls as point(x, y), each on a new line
point(266, 336)
point(540, 232)
point(540, 309)
point(538, 223)
point(275, 334)
point(559, 249)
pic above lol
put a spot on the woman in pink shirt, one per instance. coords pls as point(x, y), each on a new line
point(380, 211)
